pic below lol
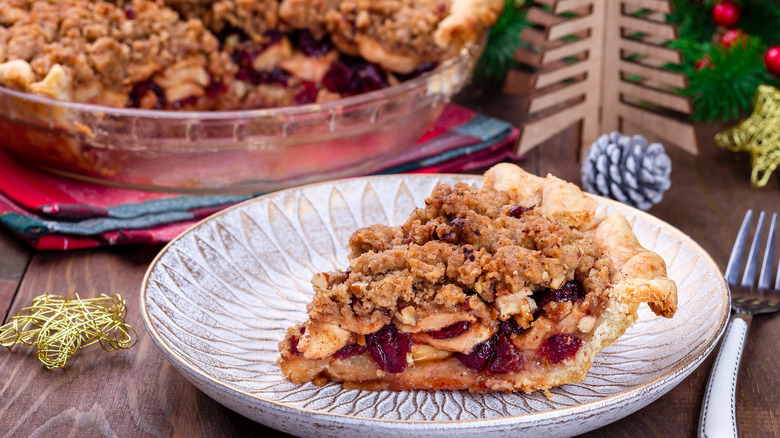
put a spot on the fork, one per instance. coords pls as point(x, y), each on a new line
point(718, 412)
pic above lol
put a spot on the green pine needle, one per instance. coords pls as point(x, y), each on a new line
point(693, 20)
point(762, 19)
point(725, 90)
point(503, 41)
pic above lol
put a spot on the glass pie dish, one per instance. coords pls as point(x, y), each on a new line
point(228, 151)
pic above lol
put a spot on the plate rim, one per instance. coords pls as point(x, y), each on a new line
point(613, 401)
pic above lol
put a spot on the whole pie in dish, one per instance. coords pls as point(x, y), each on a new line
point(228, 54)
point(515, 286)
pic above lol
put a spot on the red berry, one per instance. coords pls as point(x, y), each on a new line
point(389, 348)
point(704, 62)
point(559, 347)
point(517, 211)
point(481, 356)
point(726, 14)
point(571, 291)
point(451, 331)
point(733, 37)
point(307, 94)
point(772, 60)
point(507, 359)
point(350, 350)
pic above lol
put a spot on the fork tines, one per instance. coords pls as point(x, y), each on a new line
point(735, 260)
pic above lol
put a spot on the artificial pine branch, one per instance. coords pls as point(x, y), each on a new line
point(503, 41)
point(693, 20)
point(723, 90)
point(762, 19)
point(723, 87)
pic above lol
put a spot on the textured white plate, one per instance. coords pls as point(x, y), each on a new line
point(219, 298)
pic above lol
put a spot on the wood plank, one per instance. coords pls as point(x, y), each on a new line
point(542, 17)
point(14, 257)
point(654, 5)
point(535, 132)
point(680, 133)
point(663, 30)
point(655, 51)
point(661, 98)
point(572, 26)
point(591, 124)
point(549, 3)
point(538, 38)
point(134, 392)
point(518, 83)
point(557, 97)
point(572, 6)
point(610, 75)
point(569, 71)
point(671, 78)
point(569, 49)
point(528, 57)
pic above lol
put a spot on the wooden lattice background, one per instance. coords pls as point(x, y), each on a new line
point(599, 63)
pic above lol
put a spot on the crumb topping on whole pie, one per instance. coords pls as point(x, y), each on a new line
point(513, 286)
point(228, 54)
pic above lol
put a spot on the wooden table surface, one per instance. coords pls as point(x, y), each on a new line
point(137, 392)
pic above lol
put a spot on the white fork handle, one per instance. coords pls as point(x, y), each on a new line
point(719, 409)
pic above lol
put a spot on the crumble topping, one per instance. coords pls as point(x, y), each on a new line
point(462, 243)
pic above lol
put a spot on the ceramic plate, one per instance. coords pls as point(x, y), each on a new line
point(219, 298)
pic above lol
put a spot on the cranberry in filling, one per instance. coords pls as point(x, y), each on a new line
point(349, 76)
point(560, 347)
point(294, 341)
point(141, 89)
point(450, 331)
point(509, 328)
point(215, 88)
point(389, 348)
point(420, 69)
point(517, 211)
point(245, 55)
point(480, 356)
point(507, 359)
point(308, 93)
point(571, 291)
point(497, 354)
point(350, 350)
point(312, 46)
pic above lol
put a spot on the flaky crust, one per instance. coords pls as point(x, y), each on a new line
point(638, 275)
point(466, 21)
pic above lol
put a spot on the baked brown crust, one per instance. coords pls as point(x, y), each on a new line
point(401, 278)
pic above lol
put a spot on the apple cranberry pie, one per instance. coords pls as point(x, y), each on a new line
point(515, 286)
point(228, 54)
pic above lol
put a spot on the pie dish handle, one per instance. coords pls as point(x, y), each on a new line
point(718, 411)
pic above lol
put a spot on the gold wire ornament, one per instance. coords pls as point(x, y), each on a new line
point(759, 135)
point(59, 326)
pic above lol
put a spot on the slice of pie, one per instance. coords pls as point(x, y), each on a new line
point(515, 286)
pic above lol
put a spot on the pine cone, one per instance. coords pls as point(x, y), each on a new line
point(627, 169)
